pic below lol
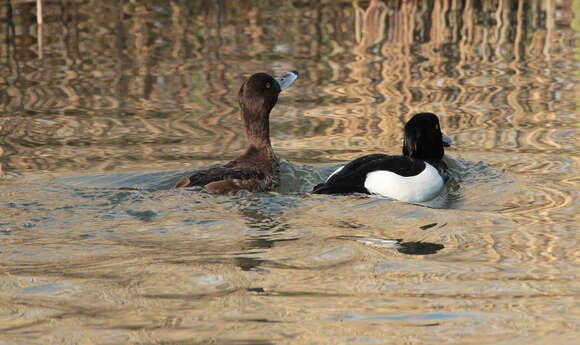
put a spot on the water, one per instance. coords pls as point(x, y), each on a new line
point(95, 247)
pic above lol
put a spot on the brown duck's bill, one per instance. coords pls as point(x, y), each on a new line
point(287, 79)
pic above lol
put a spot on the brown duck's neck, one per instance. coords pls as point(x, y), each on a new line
point(259, 138)
point(257, 129)
point(259, 152)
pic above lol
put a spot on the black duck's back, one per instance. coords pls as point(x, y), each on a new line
point(351, 177)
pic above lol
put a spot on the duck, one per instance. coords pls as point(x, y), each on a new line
point(257, 169)
point(417, 175)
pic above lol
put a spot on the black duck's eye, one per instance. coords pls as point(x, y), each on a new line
point(267, 85)
point(437, 126)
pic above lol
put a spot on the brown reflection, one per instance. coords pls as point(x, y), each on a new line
point(261, 219)
point(266, 227)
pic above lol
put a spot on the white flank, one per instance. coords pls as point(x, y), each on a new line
point(422, 187)
point(337, 170)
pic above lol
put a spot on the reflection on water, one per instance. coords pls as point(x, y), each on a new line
point(116, 100)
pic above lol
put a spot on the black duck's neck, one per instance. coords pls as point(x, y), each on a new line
point(424, 148)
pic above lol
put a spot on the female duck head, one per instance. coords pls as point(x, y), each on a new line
point(257, 97)
point(423, 138)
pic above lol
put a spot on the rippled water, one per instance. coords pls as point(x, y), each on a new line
point(110, 103)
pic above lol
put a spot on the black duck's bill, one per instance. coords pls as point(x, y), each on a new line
point(446, 140)
point(287, 79)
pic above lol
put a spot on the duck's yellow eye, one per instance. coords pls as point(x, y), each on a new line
point(267, 85)
point(437, 125)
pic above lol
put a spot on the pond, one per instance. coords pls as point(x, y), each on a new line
point(107, 104)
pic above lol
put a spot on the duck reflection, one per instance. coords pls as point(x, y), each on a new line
point(267, 226)
point(409, 248)
point(265, 220)
point(419, 248)
point(248, 264)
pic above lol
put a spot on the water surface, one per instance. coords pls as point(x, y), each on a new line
point(107, 106)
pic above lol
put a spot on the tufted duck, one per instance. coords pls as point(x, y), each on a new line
point(257, 169)
point(418, 175)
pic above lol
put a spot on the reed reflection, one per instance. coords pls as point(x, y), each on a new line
point(376, 63)
point(141, 85)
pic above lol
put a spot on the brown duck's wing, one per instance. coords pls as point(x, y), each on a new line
point(228, 179)
point(232, 186)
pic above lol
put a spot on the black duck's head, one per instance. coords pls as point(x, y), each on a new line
point(423, 138)
point(257, 97)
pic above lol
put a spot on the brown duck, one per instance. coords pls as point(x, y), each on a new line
point(257, 169)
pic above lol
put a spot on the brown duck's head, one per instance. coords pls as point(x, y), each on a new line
point(257, 97)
